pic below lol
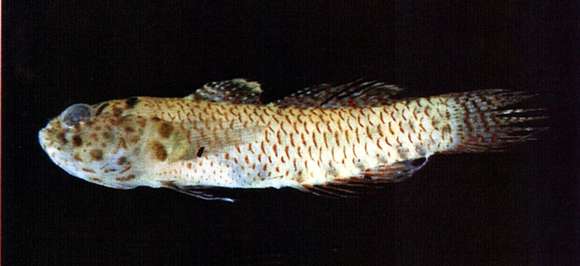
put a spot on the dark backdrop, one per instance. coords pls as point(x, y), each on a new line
point(514, 208)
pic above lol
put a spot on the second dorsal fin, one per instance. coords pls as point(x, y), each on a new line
point(358, 93)
point(234, 91)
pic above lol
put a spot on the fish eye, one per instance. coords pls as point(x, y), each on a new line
point(75, 114)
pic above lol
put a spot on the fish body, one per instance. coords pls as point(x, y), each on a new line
point(221, 136)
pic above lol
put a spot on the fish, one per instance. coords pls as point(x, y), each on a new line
point(325, 140)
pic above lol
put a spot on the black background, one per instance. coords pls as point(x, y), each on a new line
point(515, 208)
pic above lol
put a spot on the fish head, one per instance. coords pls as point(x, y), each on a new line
point(96, 143)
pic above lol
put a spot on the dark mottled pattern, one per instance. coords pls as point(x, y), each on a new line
point(165, 130)
point(158, 151)
point(131, 102)
point(200, 152)
point(96, 154)
point(77, 141)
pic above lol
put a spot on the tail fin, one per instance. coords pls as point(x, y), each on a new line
point(490, 120)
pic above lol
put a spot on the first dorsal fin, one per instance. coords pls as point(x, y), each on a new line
point(234, 91)
point(358, 93)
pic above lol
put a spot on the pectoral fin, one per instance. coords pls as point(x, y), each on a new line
point(196, 192)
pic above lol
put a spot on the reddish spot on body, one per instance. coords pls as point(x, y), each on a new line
point(275, 148)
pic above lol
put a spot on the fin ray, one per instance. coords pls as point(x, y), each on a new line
point(234, 91)
point(371, 178)
point(195, 192)
point(359, 93)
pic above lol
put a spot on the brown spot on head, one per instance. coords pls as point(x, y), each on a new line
point(61, 138)
point(115, 121)
point(77, 141)
point(95, 179)
point(134, 139)
point(94, 136)
point(107, 135)
point(165, 130)
point(117, 111)
point(129, 129)
point(125, 178)
point(159, 151)
point(88, 170)
point(96, 154)
point(141, 121)
point(77, 157)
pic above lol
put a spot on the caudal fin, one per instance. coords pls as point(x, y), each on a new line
point(491, 120)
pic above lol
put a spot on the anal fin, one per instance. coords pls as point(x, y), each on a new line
point(373, 178)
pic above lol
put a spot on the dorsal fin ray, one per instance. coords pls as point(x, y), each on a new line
point(233, 91)
point(368, 179)
point(359, 93)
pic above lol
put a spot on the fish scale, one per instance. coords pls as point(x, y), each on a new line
point(222, 136)
point(314, 146)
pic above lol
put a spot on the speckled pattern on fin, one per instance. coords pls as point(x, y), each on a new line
point(234, 91)
point(354, 94)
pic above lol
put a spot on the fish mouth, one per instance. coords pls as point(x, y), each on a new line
point(42, 138)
